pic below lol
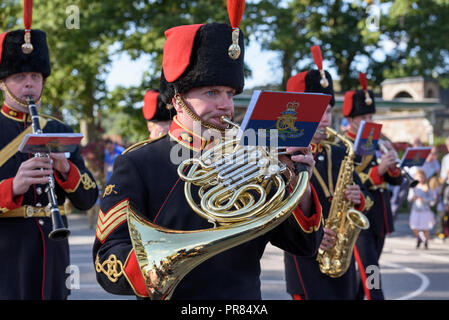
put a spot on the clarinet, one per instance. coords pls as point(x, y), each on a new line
point(59, 231)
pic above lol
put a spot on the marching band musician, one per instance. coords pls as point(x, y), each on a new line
point(157, 114)
point(33, 266)
point(304, 279)
point(199, 80)
point(359, 105)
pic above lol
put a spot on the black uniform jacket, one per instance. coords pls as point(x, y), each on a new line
point(33, 266)
point(147, 177)
point(303, 275)
point(380, 215)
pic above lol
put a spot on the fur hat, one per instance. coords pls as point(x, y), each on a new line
point(196, 56)
point(319, 81)
point(13, 60)
point(24, 50)
point(359, 102)
point(154, 108)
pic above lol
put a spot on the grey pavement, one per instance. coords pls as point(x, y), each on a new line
point(406, 272)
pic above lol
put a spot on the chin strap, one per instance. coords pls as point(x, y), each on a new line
point(193, 116)
point(18, 101)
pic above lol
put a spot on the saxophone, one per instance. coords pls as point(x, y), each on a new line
point(343, 218)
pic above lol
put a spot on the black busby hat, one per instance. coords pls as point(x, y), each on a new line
point(197, 56)
point(204, 55)
point(319, 81)
point(359, 102)
point(24, 50)
point(154, 108)
point(13, 60)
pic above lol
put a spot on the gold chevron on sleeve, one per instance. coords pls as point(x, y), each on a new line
point(110, 220)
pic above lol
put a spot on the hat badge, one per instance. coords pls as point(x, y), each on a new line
point(27, 47)
point(235, 12)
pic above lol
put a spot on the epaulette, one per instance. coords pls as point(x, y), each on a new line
point(140, 144)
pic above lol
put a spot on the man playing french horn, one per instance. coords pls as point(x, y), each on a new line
point(199, 80)
point(339, 190)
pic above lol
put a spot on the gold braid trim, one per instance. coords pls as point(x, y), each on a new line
point(87, 182)
point(111, 267)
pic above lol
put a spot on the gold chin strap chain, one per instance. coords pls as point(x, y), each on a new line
point(15, 99)
point(193, 116)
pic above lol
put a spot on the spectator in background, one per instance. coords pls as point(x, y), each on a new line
point(440, 190)
point(445, 164)
point(432, 166)
point(422, 218)
point(111, 151)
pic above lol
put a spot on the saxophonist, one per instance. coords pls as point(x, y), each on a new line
point(33, 266)
point(375, 173)
point(304, 279)
point(199, 80)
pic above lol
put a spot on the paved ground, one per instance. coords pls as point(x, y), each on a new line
point(407, 273)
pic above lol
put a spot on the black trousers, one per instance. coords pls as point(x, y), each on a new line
point(369, 247)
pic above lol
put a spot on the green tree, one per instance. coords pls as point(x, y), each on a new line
point(420, 31)
point(145, 37)
point(80, 35)
point(293, 27)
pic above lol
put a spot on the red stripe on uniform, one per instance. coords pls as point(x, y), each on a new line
point(362, 273)
point(300, 279)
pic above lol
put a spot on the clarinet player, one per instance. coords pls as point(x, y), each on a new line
point(33, 266)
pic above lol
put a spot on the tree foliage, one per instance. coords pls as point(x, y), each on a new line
point(81, 57)
point(420, 31)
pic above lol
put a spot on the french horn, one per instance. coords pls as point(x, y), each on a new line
point(242, 191)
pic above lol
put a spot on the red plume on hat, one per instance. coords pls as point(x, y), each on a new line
point(312, 80)
point(359, 102)
point(364, 83)
point(235, 12)
point(318, 58)
point(27, 47)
